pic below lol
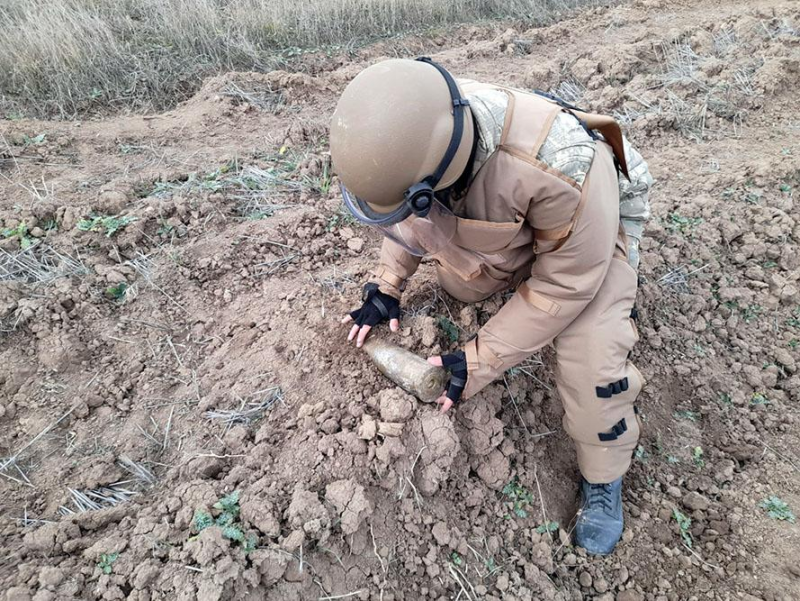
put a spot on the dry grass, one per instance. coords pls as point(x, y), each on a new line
point(67, 56)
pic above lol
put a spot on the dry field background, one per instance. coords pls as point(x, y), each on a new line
point(58, 57)
point(179, 418)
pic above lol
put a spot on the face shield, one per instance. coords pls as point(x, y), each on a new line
point(419, 235)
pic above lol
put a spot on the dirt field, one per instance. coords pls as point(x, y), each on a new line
point(170, 301)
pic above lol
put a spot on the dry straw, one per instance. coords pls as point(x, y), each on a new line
point(65, 56)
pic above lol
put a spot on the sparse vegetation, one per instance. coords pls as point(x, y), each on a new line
point(547, 527)
point(449, 328)
point(106, 563)
point(684, 524)
point(66, 56)
point(227, 519)
point(21, 233)
point(777, 509)
point(697, 457)
point(519, 497)
point(106, 224)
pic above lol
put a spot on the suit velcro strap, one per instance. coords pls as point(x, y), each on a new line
point(539, 301)
point(618, 430)
point(478, 356)
point(390, 278)
point(606, 392)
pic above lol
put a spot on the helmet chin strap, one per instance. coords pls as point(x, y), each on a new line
point(420, 196)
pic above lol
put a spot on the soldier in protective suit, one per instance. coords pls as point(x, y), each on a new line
point(508, 190)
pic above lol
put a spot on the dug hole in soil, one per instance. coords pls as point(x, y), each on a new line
point(181, 418)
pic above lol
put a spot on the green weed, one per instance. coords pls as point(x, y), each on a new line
point(107, 224)
point(449, 328)
point(697, 457)
point(228, 520)
point(676, 222)
point(725, 399)
point(641, 454)
point(21, 233)
point(342, 218)
point(107, 561)
point(759, 398)
point(751, 313)
point(519, 497)
point(685, 524)
point(547, 527)
point(692, 416)
point(784, 187)
point(777, 509)
point(456, 559)
point(793, 343)
point(34, 141)
point(117, 292)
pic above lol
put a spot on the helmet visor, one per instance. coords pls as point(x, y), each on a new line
point(420, 236)
point(365, 214)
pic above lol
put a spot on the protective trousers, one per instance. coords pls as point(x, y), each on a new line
point(597, 383)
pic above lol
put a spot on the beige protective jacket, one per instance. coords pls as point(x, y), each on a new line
point(520, 222)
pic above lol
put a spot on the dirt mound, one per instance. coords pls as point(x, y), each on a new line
point(180, 417)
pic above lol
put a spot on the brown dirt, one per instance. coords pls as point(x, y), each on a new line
point(350, 486)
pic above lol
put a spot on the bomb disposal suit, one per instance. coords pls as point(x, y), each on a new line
point(509, 190)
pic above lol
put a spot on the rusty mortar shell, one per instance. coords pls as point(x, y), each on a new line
point(410, 372)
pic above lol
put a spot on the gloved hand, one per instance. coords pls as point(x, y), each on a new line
point(377, 307)
point(456, 364)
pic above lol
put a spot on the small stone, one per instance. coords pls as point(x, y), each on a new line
point(570, 559)
point(585, 579)
point(630, 595)
point(674, 491)
point(696, 502)
point(441, 533)
point(600, 585)
point(368, 428)
point(390, 429)
point(355, 244)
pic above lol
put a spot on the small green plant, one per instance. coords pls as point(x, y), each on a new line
point(697, 457)
point(685, 225)
point(777, 509)
point(751, 313)
point(117, 292)
point(449, 328)
point(34, 141)
point(519, 496)
point(641, 454)
point(784, 187)
point(108, 224)
point(456, 559)
point(685, 524)
point(342, 218)
point(547, 527)
point(793, 343)
point(20, 232)
point(228, 520)
point(759, 398)
point(672, 460)
point(692, 416)
point(164, 228)
point(106, 562)
point(725, 399)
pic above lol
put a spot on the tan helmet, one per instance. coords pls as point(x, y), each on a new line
point(392, 128)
